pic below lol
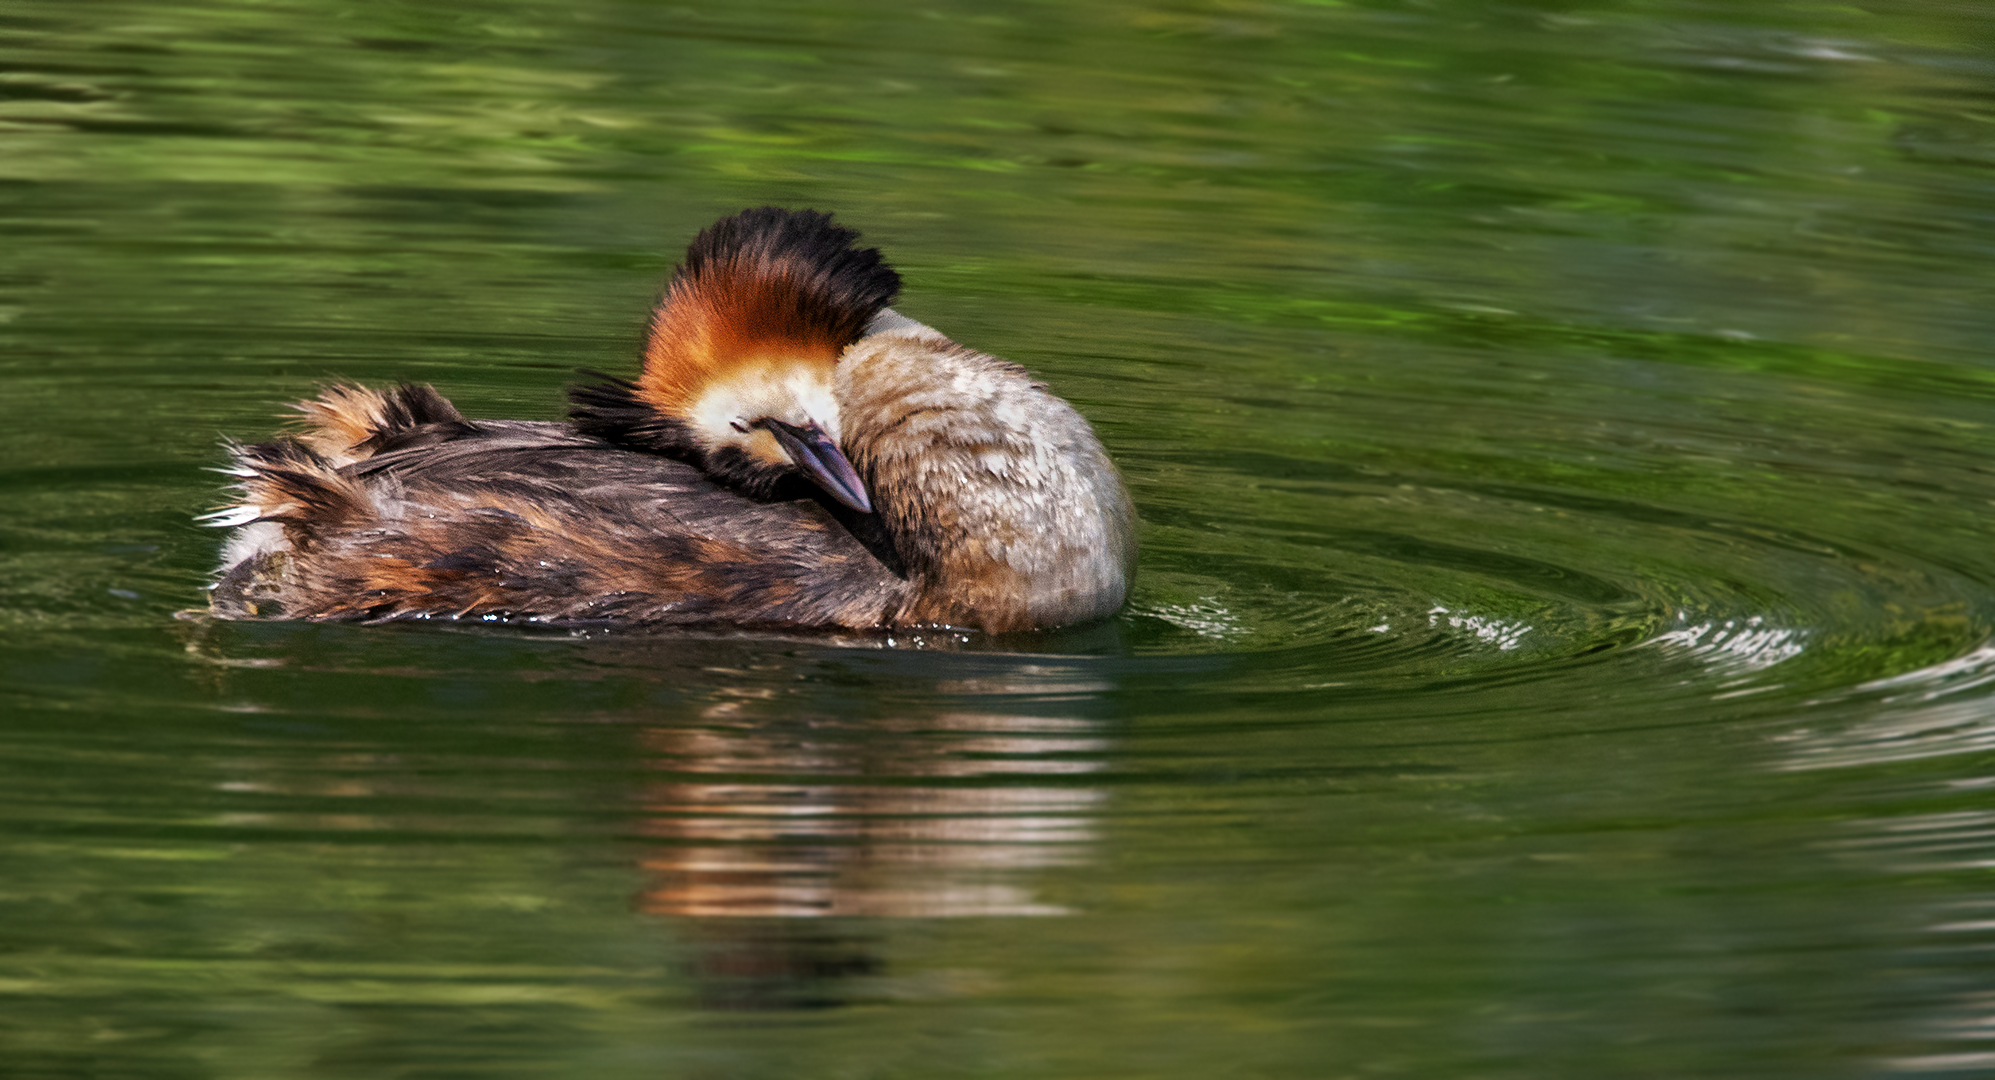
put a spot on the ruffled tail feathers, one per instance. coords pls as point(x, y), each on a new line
point(347, 424)
point(298, 481)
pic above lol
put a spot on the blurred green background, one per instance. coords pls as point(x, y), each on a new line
point(1560, 433)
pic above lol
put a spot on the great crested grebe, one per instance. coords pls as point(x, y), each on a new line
point(794, 453)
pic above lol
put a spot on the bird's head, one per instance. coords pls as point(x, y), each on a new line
point(739, 360)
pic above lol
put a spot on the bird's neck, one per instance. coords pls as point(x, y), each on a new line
point(998, 498)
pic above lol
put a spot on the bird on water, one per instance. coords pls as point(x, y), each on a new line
point(793, 453)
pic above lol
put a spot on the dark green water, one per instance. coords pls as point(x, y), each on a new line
point(1565, 637)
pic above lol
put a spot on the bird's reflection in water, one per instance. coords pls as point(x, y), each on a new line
point(789, 815)
point(782, 844)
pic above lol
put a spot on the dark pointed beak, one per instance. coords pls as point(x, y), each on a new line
point(822, 461)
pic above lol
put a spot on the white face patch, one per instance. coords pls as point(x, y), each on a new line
point(797, 392)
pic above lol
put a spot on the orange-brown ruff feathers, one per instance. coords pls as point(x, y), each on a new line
point(794, 453)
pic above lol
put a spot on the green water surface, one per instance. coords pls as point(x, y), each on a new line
point(1564, 644)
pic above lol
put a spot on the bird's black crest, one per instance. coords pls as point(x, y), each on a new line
point(839, 287)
